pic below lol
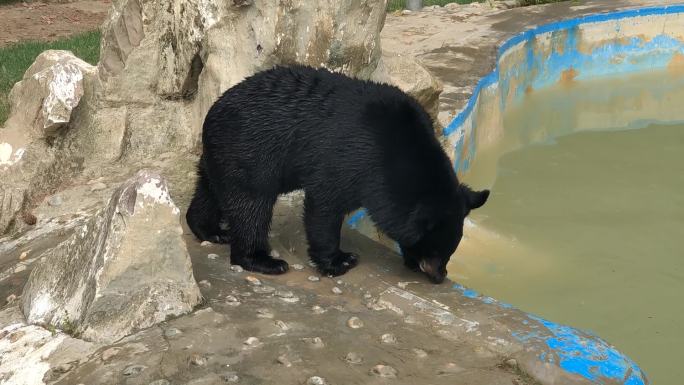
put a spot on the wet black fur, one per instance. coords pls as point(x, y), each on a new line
point(349, 144)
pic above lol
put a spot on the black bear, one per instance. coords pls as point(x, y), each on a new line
point(347, 143)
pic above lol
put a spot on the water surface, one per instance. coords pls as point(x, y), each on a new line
point(585, 224)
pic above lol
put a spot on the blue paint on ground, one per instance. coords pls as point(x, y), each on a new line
point(575, 351)
point(585, 355)
point(353, 220)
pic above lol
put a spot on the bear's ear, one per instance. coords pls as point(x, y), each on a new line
point(474, 199)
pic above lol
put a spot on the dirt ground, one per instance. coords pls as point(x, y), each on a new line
point(49, 21)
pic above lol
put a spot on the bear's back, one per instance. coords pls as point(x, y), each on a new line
point(297, 120)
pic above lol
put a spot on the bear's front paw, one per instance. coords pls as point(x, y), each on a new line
point(264, 264)
point(341, 263)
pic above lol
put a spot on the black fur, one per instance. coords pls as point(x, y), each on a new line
point(348, 143)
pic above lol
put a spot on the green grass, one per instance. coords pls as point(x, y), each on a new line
point(394, 5)
point(16, 58)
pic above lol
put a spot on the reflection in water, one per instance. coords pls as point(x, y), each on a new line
point(585, 225)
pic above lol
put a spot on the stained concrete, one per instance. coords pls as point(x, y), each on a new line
point(459, 44)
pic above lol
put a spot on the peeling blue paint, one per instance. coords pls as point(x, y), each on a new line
point(353, 220)
point(663, 46)
point(577, 352)
point(583, 354)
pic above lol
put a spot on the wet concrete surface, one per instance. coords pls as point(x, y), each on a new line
point(285, 329)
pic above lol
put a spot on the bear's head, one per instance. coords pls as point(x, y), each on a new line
point(442, 232)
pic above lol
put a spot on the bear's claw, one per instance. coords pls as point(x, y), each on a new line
point(264, 264)
point(338, 265)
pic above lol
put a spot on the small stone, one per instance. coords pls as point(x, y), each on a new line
point(315, 342)
point(172, 332)
point(449, 369)
point(160, 382)
point(406, 12)
point(16, 336)
point(313, 278)
point(355, 323)
point(263, 289)
point(11, 298)
point(339, 282)
point(98, 186)
point(367, 296)
point(252, 280)
point(133, 370)
point(336, 290)
point(204, 283)
point(236, 268)
point(283, 360)
point(251, 342)
point(353, 358)
point(206, 244)
point(275, 254)
point(198, 360)
point(290, 300)
point(317, 309)
point(230, 377)
point(264, 313)
point(109, 353)
point(384, 371)
point(511, 362)
point(420, 353)
point(55, 201)
point(63, 368)
point(284, 294)
point(212, 256)
point(231, 300)
point(282, 325)
point(19, 268)
point(315, 380)
point(23, 255)
point(298, 266)
point(388, 338)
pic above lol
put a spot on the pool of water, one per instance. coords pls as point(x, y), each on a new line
point(585, 224)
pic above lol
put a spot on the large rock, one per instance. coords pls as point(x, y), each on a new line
point(42, 102)
point(407, 73)
point(40, 108)
point(126, 269)
point(164, 63)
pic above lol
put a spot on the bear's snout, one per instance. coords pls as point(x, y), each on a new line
point(435, 274)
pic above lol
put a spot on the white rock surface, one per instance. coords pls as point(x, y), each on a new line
point(126, 269)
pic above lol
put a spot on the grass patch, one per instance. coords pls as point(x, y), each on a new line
point(394, 5)
point(16, 58)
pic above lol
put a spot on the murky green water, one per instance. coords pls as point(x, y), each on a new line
point(585, 225)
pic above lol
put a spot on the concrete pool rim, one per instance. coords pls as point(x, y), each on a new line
point(576, 352)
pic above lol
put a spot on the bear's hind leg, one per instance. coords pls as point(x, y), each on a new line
point(203, 216)
point(250, 219)
point(323, 225)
